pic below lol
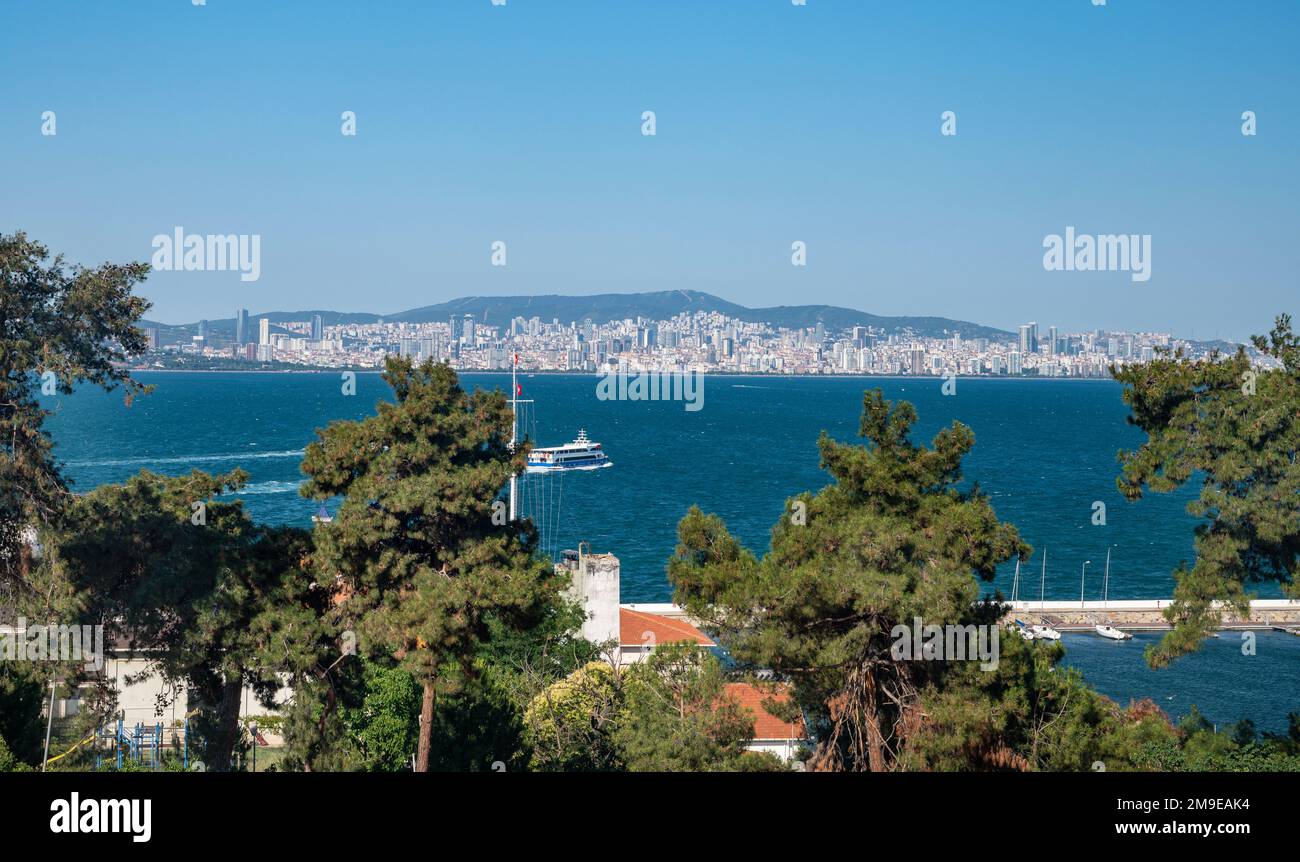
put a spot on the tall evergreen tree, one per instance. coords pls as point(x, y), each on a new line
point(1234, 430)
point(892, 539)
point(423, 564)
point(60, 325)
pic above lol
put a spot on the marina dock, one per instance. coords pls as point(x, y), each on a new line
point(1136, 615)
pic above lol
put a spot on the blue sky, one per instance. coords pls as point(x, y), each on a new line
point(775, 123)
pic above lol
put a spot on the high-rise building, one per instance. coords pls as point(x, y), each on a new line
point(317, 328)
point(1028, 338)
point(1051, 341)
point(203, 330)
point(467, 331)
point(1014, 363)
point(264, 331)
point(241, 326)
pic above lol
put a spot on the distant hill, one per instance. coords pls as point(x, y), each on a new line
point(604, 307)
point(660, 305)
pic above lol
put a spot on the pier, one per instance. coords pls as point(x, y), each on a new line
point(1147, 614)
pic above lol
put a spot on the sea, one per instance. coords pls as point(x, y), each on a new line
point(1045, 454)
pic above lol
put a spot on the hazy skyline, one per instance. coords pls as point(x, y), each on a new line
point(775, 123)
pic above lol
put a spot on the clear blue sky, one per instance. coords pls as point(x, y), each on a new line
point(775, 123)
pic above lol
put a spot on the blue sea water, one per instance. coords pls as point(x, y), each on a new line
point(1045, 454)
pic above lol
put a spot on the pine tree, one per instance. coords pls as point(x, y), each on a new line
point(422, 563)
point(1235, 431)
point(892, 539)
point(59, 326)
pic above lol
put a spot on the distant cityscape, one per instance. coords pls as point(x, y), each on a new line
point(703, 341)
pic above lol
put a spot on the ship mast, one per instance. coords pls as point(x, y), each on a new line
point(515, 401)
point(1042, 583)
point(514, 426)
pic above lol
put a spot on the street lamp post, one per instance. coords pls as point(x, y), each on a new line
point(1083, 577)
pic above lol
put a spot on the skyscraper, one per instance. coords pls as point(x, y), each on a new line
point(264, 331)
point(241, 326)
point(317, 328)
point(1051, 341)
point(1028, 338)
point(468, 332)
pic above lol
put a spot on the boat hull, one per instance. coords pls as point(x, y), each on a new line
point(534, 469)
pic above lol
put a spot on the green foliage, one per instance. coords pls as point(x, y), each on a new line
point(22, 696)
point(384, 727)
point(216, 605)
point(678, 717)
point(1030, 713)
point(424, 569)
point(1236, 430)
point(891, 540)
point(570, 724)
point(8, 762)
point(1199, 747)
point(669, 713)
point(79, 324)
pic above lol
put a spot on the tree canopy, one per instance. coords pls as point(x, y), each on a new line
point(892, 539)
point(60, 325)
point(422, 563)
point(1234, 430)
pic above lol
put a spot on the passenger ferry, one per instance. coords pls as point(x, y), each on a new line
point(581, 454)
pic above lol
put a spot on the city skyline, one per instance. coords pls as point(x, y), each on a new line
point(777, 124)
point(699, 341)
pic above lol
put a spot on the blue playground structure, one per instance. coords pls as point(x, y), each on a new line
point(144, 744)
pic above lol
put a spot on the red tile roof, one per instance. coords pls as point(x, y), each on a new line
point(638, 628)
point(766, 725)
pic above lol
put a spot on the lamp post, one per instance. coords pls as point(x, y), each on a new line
point(1083, 577)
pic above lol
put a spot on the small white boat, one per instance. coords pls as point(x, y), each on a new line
point(1109, 631)
point(1044, 633)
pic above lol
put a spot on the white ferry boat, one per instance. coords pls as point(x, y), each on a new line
point(581, 454)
